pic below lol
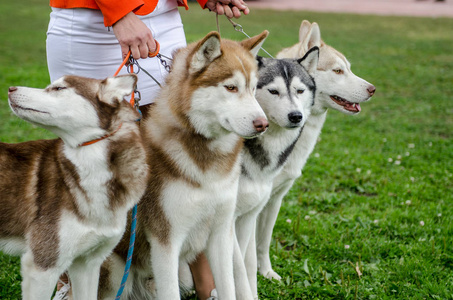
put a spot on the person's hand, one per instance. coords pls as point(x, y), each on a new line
point(230, 8)
point(134, 35)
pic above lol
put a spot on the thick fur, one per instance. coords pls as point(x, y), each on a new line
point(194, 136)
point(64, 206)
point(336, 88)
point(286, 92)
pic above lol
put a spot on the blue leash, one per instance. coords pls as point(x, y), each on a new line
point(130, 251)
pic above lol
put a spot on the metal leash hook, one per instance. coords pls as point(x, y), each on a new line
point(238, 28)
point(136, 97)
point(160, 57)
point(163, 61)
point(147, 73)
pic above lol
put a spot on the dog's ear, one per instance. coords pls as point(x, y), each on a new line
point(260, 61)
point(312, 37)
point(310, 60)
point(205, 52)
point(253, 44)
point(117, 87)
point(304, 30)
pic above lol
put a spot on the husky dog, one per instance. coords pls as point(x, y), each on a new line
point(286, 92)
point(194, 136)
point(337, 88)
point(64, 202)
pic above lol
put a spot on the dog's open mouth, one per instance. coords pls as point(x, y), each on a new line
point(349, 106)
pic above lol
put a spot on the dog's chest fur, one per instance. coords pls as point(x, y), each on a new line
point(262, 160)
point(266, 155)
point(305, 145)
point(186, 188)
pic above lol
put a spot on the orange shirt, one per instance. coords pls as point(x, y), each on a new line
point(113, 10)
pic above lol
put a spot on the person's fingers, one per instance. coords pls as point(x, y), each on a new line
point(144, 50)
point(240, 4)
point(228, 11)
point(152, 46)
point(245, 11)
point(135, 52)
point(219, 9)
point(236, 12)
point(124, 50)
point(211, 5)
point(134, 35)
point(230, 8)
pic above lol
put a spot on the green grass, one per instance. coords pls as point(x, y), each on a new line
point(372, 179)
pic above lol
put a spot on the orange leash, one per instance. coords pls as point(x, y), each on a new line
point(154, 54)
point(126, 59)
point(123, 63)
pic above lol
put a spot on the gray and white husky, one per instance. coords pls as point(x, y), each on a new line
point(286, 92)
point(336, 88)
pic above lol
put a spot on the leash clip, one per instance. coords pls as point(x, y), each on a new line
point(130, 66)
point(238, 28)
point(137, 98)
point(136, 104)
point(163, 62)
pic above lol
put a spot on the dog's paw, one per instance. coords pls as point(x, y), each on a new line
point(272, 275)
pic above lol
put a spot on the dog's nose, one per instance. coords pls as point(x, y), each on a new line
point(12, 89)
point(295, 117)
point(260, 124)
point(371, 89)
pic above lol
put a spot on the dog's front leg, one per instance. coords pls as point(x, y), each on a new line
point(245, 231)
point(251, 264)
point(84, 276)
point(37, 283)
point(241, 281)
point(220, 255)
point(265, 225)
point(165, 263)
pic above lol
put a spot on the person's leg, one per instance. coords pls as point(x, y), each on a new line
point(64, 281)
point(202, 277)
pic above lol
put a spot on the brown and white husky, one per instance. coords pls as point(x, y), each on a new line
point(64, 202)
point(194, 136)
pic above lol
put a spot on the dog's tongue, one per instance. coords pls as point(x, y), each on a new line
point(355, 107)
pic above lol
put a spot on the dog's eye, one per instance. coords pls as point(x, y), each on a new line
point(300, 92)
point(338, 71)
point(231, 88)
point(58, 88)
point(274, 92)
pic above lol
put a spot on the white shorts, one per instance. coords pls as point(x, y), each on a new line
point(78, 43)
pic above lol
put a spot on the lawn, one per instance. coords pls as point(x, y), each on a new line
point(372, 216)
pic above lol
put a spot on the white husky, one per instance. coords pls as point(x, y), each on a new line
point(194, 136)
point(337, 88)
point(64, 202)
point(286, 92)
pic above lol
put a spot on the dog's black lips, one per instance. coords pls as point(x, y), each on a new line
point(348, 105)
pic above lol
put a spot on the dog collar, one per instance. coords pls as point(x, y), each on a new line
point(101, 138)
